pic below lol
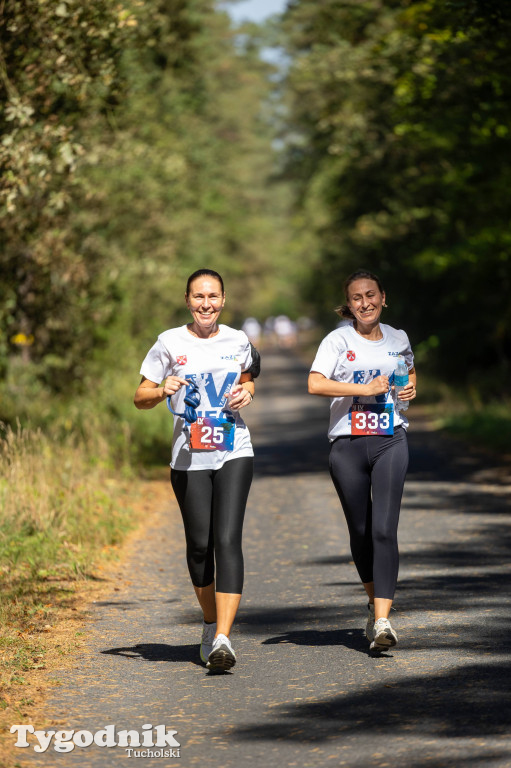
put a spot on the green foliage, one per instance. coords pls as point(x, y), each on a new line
point(136, 147)
point(59, 72)
point(402, 109)
point(487, 425)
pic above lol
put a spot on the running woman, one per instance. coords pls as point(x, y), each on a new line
point(354, 366)
point(205, 372)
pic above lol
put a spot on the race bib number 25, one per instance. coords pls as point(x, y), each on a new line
point(210, 434)
point(372, 420)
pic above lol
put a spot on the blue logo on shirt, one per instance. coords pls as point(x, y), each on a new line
point(215, 398)
point(363, 377)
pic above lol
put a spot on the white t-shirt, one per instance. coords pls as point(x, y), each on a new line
point(215, 365)
point(346, 356)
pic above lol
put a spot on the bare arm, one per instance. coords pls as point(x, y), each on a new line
point(320, 385)
point(149, 393)
point(243, 392)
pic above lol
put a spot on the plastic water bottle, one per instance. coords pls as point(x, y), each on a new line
point(228, 397)
point(400, 382)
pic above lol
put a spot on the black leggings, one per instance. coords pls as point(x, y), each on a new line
point(369, 475)
point(212, 503)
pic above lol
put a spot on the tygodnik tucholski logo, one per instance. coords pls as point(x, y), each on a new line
point(151, 742)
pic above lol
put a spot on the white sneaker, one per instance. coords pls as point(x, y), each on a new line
point(206, 643)
point(222, 657)
point(384, 636)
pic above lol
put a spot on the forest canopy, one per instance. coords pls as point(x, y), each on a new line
point(402, 113)
point(136, 147)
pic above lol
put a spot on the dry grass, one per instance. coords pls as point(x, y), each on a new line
point(63, 512)
point(56, 505)
point(36, 660)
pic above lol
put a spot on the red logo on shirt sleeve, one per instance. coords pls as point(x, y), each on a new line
point(350, 355)
point(181, 359)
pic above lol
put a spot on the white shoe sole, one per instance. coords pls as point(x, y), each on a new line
point(221, 660)
point(383, 641)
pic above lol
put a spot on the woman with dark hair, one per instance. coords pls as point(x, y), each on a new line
point(355, 367)
point(205, 371)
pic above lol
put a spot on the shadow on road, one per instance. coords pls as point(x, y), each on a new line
point(157, 652)
point(349, 638)
point(475, 696)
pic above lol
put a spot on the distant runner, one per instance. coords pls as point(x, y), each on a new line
point(207, 370)
point(355, 366)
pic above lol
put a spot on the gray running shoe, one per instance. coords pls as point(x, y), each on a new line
point(222, 657)
point(384, 636)
point(370, 622)
point(206, 643)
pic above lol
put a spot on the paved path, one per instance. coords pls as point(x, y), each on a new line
point(305, 692)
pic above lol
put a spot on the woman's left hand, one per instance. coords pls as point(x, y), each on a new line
point(241, 397)
point(408, 392)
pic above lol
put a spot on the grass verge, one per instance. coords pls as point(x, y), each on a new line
point(486, 425)
point(64, 513)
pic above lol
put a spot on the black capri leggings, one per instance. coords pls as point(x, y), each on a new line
point(369, 475)
point(212, 503)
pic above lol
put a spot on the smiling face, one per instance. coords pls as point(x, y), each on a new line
point(365, 301)
point(205, 301)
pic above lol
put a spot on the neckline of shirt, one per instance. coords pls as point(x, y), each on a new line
point(369, 341)
point(208, 339)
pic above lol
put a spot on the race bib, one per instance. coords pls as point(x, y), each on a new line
point(211, 434)
point(372, 419)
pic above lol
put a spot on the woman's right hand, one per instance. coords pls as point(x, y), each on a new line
point(173, 384)
point(378, 386)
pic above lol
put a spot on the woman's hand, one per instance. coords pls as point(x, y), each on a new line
point(173, 384)
point(408, 392)
point(240, 397)
point(377, 386)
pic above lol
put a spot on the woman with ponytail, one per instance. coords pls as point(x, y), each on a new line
point(354, 366)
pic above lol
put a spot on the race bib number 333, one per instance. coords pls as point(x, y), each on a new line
point(372, 420)
point(210, 434)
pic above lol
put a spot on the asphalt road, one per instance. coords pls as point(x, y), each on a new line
point(305, 692)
